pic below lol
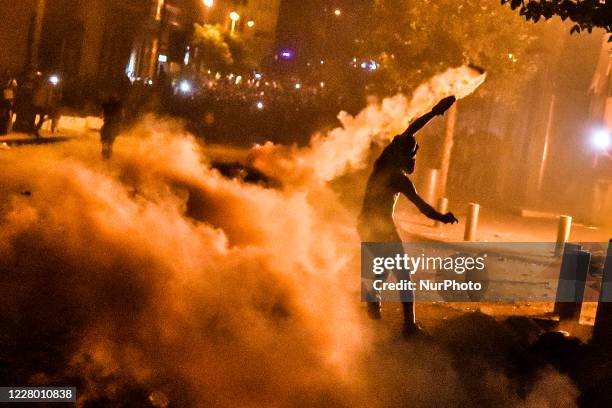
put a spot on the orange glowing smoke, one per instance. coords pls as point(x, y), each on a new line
point(154, 275)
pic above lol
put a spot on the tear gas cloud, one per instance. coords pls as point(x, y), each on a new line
point(345, 148)
point(154, 277)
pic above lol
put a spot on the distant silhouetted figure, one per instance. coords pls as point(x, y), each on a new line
point(45, 103)
point(113, 116)
point(7, 101)
point(26, 116)
point(387, 180)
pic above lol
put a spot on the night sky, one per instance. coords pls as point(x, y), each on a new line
point(305, 24)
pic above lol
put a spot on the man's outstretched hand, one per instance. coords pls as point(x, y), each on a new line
point(443, 105)
point(449, 218)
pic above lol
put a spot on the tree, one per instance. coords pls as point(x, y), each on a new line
point(414, 39)
point(586, 14)
point(219, 50)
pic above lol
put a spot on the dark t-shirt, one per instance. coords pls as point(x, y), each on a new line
point(376, 217)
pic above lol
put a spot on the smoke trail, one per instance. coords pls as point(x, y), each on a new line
point(346, 147)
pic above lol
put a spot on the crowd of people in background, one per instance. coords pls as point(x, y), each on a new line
point(225, 108)
point(28, 101)
point(238, 108)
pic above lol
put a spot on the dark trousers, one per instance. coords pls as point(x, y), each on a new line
point(389, 235)
point(5, 118)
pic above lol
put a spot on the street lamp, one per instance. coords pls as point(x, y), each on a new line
point(54, 80)
point(185, 87)
point(286, 54)
point(601, 140)
point(234, 17)
point(250, 23)
point(208, 3)
point(337, 12)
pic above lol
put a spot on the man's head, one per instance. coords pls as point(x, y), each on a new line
point(404, 150)
point(411, 161)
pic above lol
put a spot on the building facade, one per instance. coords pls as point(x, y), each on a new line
point(95, 43)
point(257, 21)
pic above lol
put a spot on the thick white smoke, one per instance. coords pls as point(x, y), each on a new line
point(346, 147)
point(152, 277)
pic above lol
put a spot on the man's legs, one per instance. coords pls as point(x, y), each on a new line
point(374, 298)
point(107, 149)
point(39, 124)
point(406, 296)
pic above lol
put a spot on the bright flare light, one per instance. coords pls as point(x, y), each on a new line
point(208, 3)
point(601, 139)
point(54, 79)
point(287, 54)
point(185, 87)
point(260, 105)
point(337, 12)
point(250, 23)
point(234, 17)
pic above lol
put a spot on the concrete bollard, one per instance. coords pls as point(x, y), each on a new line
point(442, 207)
point(471, 222)
point(572, 281)
point(563, 232)
point(429, 185)
point(602, 332)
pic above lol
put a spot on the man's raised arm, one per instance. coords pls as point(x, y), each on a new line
point(439, 109)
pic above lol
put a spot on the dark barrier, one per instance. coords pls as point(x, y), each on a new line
point(572, 280)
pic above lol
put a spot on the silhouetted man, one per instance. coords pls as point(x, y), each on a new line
point(45, 103)
point(26, 116)
point(113, 117)
point(7, 100)
point(388, 179)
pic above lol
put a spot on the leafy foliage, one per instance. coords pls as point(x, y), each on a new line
point(586, 14)
point(219, 50)
point(413, 39)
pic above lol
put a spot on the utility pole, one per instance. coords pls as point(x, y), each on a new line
point(545, 148)
point(447, 149)
point(161, 37)
point(36, 31)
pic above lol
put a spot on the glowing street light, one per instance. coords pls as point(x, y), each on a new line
point(260, 105)
point(185, 87)
point(286, 54)
point(601, 140)
point(250, 23)
point(54, 80)
point(234, 17)
point(208, 3)
point(337, 12)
